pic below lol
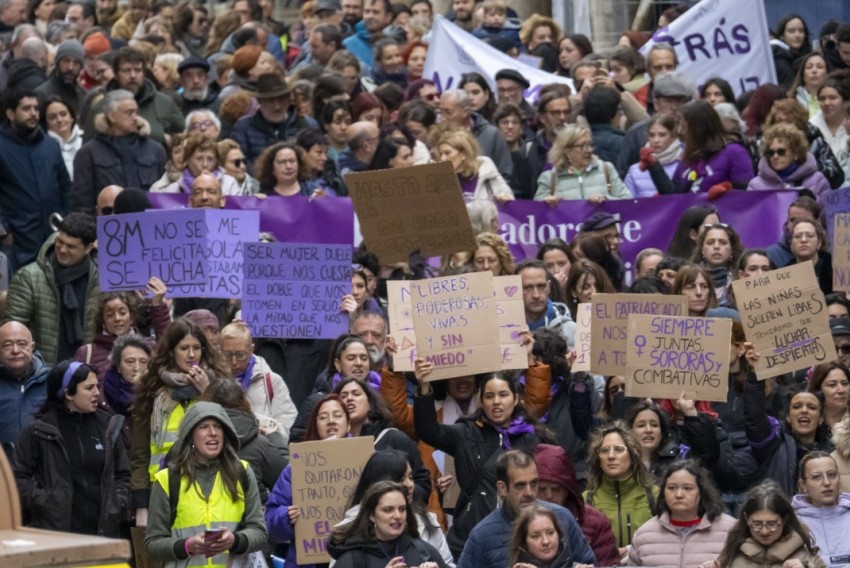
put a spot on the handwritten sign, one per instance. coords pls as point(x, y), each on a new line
point(456, 325)
point(401, 324)
point(667, 355)
point(324, 476)
point(295, 290)
point(609, 332)
point(841, 252)
point(510, 316)
point(196, 252)
point(784, 316)
point(407, 209)
point(836, 202)
point(584, 313)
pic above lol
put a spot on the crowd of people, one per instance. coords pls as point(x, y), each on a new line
point(137, 409)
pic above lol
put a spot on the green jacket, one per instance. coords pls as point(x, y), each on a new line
point(251, 534)
point(626, 504)
point(33, 300)
point(594, 180)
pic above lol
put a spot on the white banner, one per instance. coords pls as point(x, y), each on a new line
point(453, 51)
point(722, 38)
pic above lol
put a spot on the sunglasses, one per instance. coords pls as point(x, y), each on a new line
point(778, 152)
point(239, 162)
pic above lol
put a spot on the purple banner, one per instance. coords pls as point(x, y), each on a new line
point(757, 216)
point(196, 252)
point(294, 290)
point(289, 219)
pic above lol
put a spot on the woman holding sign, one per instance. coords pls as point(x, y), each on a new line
point(475, 442)
point(779, 448)
point(809, 242)
point(328, 421)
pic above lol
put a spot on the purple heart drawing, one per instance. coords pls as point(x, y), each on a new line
point(295, 456)
point(511, 290)
point(515, 335)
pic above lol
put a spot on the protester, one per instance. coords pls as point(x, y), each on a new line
point(23, 382)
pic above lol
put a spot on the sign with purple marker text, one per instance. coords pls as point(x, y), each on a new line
point(584, 316)
point(324, 476)
point(196, 252)
point(401, 325)
point(668, 355)
point(609, 333)
point(510, 315)
point(456, 325)
point(784, 316)
point(841, 252)
point(294, 290)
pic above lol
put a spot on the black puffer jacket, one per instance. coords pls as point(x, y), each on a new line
point(475, 446)
point(267, 455)
point(359, 553)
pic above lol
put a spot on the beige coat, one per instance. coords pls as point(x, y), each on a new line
point(754, 555)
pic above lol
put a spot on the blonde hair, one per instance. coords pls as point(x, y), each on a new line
point(536, 21)
point(169, 62)
point(236, 330)
point(466, 144)
point(499, 246)
point(566, 137)
point(494, 7)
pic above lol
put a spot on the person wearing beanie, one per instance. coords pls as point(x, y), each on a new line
point(557, 484)
point(131, 200)
point(94, 46)
point(62, 83)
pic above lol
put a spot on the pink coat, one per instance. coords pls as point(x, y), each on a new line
point(657, 543)
point(806, 176)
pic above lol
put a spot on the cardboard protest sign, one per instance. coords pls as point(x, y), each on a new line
point(837, 201)
point(294, 290)
point(608, 333)
point(510, 315)
point(841, 252)
point(324, 475)
point(407, 209)
point(784, 316)
point(583, 327)
point(401, 324)
point(668, 354)
point(455, 322)
point(196, 252)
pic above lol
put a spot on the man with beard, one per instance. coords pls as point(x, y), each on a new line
point(158, 109)
point(120, 154)
point(377, 14)
point(371, 327)
point(195, 79)
point(34, 181)
point(516, 482)
point(352, 11)
point(63, 81)
point(553, 112)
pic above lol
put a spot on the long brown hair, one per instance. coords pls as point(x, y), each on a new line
point(150, 383)
point(524, 519)
point(704, 132)
point(361, 526)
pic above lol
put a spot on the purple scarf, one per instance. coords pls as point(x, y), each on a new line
point(245, 378)
point(518, 426)
point(373, 379)
point(118, 391)
point(187, 179)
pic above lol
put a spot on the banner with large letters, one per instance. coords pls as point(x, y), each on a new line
point(729, 39)
point(758, 217)
point(453, 51)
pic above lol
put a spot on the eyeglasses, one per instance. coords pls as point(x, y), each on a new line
point(770, 526)
point(777, 152)
point(804, 236)
point(587, 146)
point(818, 476)
point(203, 125)
point(605, 450)
point(238, 355)
point(324, 417)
